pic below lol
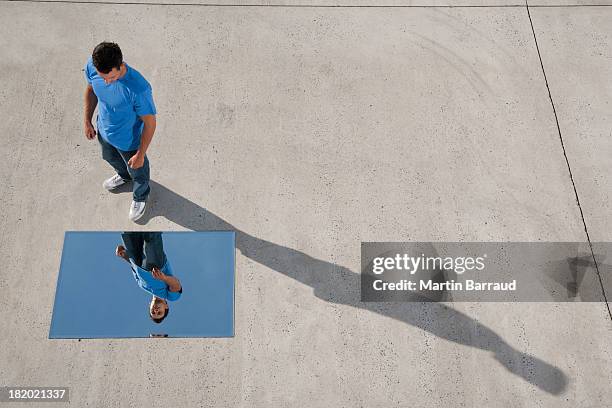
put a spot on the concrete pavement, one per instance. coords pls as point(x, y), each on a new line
point(309, 130)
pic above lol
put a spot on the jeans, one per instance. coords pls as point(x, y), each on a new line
point(145, 248)
point(119, 159)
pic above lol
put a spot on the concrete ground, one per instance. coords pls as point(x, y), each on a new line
point(309, 129)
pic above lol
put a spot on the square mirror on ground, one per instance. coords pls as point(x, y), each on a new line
point(145, 284)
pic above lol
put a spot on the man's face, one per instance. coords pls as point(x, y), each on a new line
point(111, 76)
point(157, 308)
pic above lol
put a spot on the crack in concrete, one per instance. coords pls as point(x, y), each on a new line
point(569, 169)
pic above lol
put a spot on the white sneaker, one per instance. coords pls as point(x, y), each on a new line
point(137, 210)
point(113, 182)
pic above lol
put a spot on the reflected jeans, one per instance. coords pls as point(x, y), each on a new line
point(146, 249)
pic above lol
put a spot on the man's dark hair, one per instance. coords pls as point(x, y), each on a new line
point(106, 56)
point(161, 319)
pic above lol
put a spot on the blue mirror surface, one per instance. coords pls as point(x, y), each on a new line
point(101, 294)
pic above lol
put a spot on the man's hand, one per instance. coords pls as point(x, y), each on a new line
point(158, 274)
point(90, 132)
point(121, 252)
point(136, 161)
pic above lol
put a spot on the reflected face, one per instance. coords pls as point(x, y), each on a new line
point(112, 75)
point(157, 308)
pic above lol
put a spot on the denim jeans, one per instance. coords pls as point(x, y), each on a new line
point(145, 248)
point(119, 159)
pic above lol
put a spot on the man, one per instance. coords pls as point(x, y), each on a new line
point(151, 269)
point(125, 122)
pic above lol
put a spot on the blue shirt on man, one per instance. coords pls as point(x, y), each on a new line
point(120, 105)
point(156, 287)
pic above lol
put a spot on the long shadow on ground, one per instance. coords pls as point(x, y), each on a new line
point(337, 284)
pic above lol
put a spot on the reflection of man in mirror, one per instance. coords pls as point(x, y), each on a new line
point(152, 271)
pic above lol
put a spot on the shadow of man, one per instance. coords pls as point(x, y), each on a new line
point(337, 284)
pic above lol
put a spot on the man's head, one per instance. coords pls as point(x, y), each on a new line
point(158, 309)
point(108, 60)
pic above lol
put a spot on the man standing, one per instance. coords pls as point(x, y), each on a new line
point(151, 269)
point(125, 122)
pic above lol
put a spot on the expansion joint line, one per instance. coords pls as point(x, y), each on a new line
point(569, 169)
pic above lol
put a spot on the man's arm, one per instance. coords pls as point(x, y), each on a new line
point(91, 101)
point(137, 160)
point(174, 285)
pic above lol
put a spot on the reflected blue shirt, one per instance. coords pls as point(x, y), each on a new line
point(120, 105)
point(148, 283)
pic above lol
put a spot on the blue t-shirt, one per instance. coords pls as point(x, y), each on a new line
point(120, 105)
point(148, 283)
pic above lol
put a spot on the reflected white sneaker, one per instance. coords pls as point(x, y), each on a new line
point(137, 210)
point(113, 182)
